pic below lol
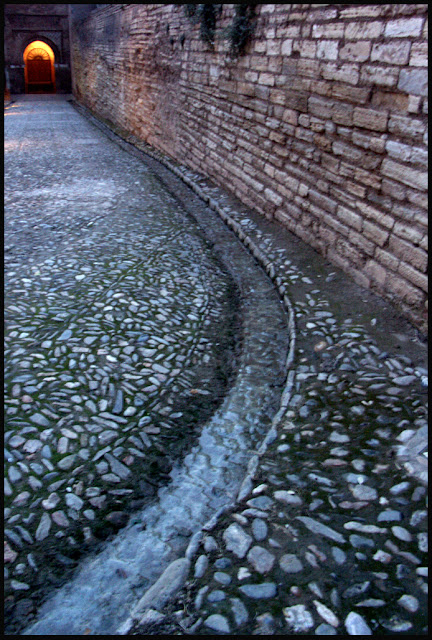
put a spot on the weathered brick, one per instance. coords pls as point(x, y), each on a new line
point(404, 27)
point(407, 252)
point(327, 50)
point(320, 107)
point(414, 103)
point(414, 81)
point(393, 53)
point(370, 119)
point(380, 76)
point(322, 201)
point(419, 156)
point(393, 189)
point(356, 51)
point(356, 95)
point(246, 88)
point(322, 142)
point(375, 233)
point(412, 275)
point(393, 101)
point(327, 235)
point(348, 73)
point(376, 271)
point(419, 55)
point(306, 48)
point(308, 68)
point(364, 30)
point(362, 11)
point(347, 151)
point(408, 232)
point(411, 177)
point(297, 101)
point(342, 114)
point(319, 15)
point(369, 142)
point(375, 214)
point(406, 126)
point(350, 193)
point(274, 197)
point(329, 30)
point(349, 218)
point(266, 79)
point(404, 289)
point(387, 259)
point(287, 46)
point(286, 218)
point(273, 47)
point(398, 150)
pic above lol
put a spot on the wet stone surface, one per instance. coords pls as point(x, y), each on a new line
point(331, 538)
point(121, 333)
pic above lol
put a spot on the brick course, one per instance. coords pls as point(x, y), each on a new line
point(320, 124)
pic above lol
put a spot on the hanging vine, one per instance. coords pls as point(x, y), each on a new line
point(206, 15)
point(239, 32)
point(242, 27)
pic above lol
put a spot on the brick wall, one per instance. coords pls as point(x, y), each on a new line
point(321, 124)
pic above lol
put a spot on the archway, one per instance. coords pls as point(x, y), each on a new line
point(39, 72)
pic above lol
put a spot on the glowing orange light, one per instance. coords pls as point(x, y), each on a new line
point(39, 70)
point(43, 48)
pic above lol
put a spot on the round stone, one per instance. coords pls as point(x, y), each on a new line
point(261, 591)
point(73, 501)
point(216, 596)
point(290, 563)
point(43, 529)
point(363, 492)
point(298, 618)
point(237, 540)
point(410, 603)
point(261, 559)
point(259, 529)
point(222, 578)
point(401, 533)
point(217, 623)
point(201, 566)
point(356, 625)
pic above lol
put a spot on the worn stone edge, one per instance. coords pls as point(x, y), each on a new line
point(157, 589)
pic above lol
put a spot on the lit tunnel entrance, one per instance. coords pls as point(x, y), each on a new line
point(39, 69)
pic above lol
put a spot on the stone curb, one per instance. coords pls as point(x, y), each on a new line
point(159, 592)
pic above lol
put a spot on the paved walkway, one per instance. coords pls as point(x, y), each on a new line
point(328, 534)
point(124, 335)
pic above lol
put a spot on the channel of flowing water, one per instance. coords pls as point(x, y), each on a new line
point(108, 584)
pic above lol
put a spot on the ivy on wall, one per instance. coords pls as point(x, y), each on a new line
point(242, 27)
point(239, 32)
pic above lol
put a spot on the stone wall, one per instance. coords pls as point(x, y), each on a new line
point(320, 124)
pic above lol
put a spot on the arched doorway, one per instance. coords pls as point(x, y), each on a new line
point(39, 72)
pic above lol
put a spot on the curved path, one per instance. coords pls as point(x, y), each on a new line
point(122, 339)
point(328, 533)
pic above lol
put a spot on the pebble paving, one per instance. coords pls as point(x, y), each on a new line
point(328, 535)
point(116, 341)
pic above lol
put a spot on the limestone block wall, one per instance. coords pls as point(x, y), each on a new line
point(321, 124)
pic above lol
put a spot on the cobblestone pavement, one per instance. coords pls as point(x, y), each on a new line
point(121, 333)
point(328, 534)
